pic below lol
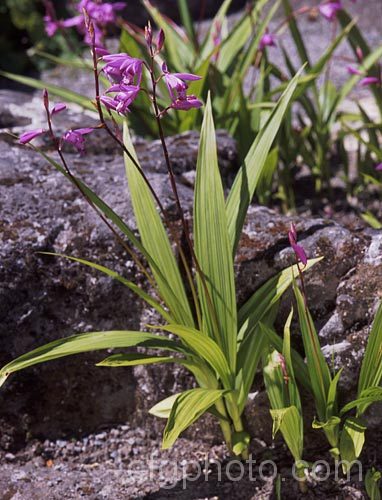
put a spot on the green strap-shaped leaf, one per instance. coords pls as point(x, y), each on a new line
point(86, 342)
point(266, 296)
point(208, 43)
point(177, 46)
point(164, 407)
point(319, 373)
point(188, 407)
point(356, 41)
point(371, 369)
point(133, 287)
point(212, 246)
point(351, 442)
point(250, 173)
point(155, 239)
point(289, 422)
point(366, 398)
point(136, 359)
point(206, 348)
point(238, 37)
point(300, 368)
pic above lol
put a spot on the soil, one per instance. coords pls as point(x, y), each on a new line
point(126, 463)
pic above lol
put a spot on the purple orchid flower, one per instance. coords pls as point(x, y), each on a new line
point(267, 40)
point(298, 250)
point(51, 26)
point(176, 82)
point(370, 80)
point(379, 167)
point(329, 10)
point(76, 138)
point(177, 87)
point(122, 68)
point(184, 104)
point(26, 137)
point(101, 14)
point(121, 102)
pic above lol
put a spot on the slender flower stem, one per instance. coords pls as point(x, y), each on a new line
point(113, 135)
point(75, 181)
point(174, 188)
point(152, 191)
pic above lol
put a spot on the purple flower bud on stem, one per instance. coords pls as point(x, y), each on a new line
point(160, 40)
point(370, 80)
point(298, 250)
point(45, 97)
point(149, 35)
point(58, 108)
point(29, 136)
point(379, 167)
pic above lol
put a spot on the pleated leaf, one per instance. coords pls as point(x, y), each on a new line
point(319, 373)
point(351, 443)
point(371, 368)
point(206, 348)
point(155, 240)
point(164, 407)
point(135, 359)
point(212, 246)
point(250, 173)
point(367, 397)
point(289, 422)
point(188, 407)
point(86, 342)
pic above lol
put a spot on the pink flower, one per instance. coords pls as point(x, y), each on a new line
point(125, 96)
point(76, 138)
point(329, 10)
point(184, 104)
point(177, 87)
point(267, 40)
point(58, 108)
point(379, 167)
point(298, 250)
point(51, 26)
point(29, 136)
point(370, 80)
point(101, 13)
point(176, 82)
point(121, 68)
point(354, 71)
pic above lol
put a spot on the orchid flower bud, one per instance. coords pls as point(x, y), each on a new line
point(160, 40)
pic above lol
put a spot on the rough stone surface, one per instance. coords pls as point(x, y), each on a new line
point(43, 298)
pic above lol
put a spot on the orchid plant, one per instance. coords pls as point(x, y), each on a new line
point(218, 342)
point(345, 432)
